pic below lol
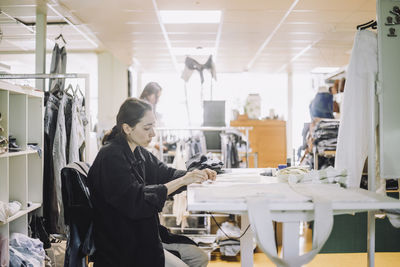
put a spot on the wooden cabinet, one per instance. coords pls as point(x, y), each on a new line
point(267, 139)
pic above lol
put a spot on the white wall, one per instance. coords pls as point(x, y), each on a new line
point(113, 89)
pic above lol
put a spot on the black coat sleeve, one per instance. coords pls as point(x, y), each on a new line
point(162, 173)
point(122, 190)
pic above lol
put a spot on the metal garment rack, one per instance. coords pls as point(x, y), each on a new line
point(62, 76)
point(205, 129)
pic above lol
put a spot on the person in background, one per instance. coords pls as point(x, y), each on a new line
point(151, 93)
point(322, 104)
point(128, 187)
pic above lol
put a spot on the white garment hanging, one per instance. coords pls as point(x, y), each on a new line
point(179, 209)
point(77, 136)
point(60, 159)
point(352, 144)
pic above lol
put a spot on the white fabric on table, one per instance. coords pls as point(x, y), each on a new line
point(234, 192)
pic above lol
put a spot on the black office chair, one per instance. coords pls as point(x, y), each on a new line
point(78, 214)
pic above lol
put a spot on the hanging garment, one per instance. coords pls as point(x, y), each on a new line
point(179, 209)
point(58, 65)
point(181, 156)
point(60, 160)
point(50, 208)
point(68, 123)
point(352, 145)
point(191, 65)
point(77, 137)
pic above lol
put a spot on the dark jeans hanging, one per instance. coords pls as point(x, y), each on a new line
point(58, 65)
point(50, 209)
point(68, 123)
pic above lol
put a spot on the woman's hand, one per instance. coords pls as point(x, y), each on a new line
point(196, 176)
point(212, 175)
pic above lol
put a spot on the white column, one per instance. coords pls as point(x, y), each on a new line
point(289, 122)
point(40, 53)
point(139, 85)
point(113, 88)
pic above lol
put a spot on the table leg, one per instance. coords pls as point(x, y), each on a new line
point(290, 239)
point(246, 243)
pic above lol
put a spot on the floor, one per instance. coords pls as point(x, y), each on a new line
point(260, 260)
point(321, 260)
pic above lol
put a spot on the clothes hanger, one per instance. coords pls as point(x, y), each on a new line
point(60, 36)
point(78, 90)
point(370, 24)
point(69, 90)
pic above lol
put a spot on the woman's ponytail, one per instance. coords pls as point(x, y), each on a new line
point(130, 112)
point(109, 135)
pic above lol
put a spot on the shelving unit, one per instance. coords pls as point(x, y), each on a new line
point(21, 173)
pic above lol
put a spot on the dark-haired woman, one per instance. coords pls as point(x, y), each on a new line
point(128, 188)
point(151, 93)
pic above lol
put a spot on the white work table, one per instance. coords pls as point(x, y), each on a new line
point(289, 212)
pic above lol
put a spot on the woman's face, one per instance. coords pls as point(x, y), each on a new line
point(143, 132)
point(153, 99)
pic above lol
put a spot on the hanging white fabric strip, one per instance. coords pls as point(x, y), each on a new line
point(261, 223)
point(352, 144)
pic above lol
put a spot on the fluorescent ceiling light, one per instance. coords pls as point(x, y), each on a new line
point(193, 51)
point(324, 70)
point(190, 16)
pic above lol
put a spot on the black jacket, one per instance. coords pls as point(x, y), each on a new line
point(127, 192)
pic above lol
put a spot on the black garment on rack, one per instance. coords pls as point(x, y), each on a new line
point(50, 208)
point(68, 122)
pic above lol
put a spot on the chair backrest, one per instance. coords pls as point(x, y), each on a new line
point(76, 200)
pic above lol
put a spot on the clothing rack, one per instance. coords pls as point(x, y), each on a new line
point(63, 76)
point(204, 129)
